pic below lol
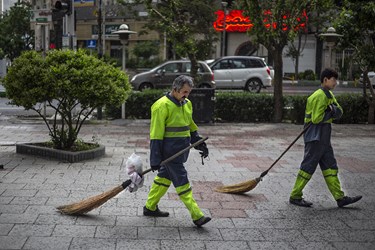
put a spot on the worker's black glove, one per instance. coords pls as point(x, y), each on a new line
point(331, 108)
point(203, 149)
point(155, 168)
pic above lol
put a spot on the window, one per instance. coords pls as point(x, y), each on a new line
point(172, 68)
point(254, 63)
point(223, 64)
point(239, 63)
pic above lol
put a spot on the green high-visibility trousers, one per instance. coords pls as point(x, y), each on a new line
point(333, 183)
point(186, 196)
point(301, 181)
point(158, 190)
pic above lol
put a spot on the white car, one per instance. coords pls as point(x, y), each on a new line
point(250, 73)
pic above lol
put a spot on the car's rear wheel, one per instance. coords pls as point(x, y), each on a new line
point(253, 85)
point(145, 85)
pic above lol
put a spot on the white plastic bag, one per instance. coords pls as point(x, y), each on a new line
point(134, 169)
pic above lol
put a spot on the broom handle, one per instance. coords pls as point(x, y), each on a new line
point(177, 154)
point(286, 150)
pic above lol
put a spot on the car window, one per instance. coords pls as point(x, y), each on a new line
point(223, 64)
point(239, 63)
point(187, 67)
point(172, 68)
point(254, 63)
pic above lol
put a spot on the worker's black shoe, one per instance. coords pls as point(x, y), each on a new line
point(348, 200)
point(200, 222)
point(300, 202)
point(156, 213)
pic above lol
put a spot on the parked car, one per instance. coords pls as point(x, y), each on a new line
point(241, 72)
point(371, 76)
point(163, 75)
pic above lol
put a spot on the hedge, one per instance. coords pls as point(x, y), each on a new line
point(247, 107)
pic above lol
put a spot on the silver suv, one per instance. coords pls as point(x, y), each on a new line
point(163, 75)
point(241, 72)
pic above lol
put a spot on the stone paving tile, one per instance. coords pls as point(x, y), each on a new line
point(182, 245)
point(12, 242)
point(204, 233)
point(228, 213)
point(116, 232)
point(14, 209)
point(5, 200)
point(358, 235)
point(354, 245)
point(288, 235)
point(19, 193)
point(322, 235)
point(17, 218)
point(74, 231)
point(55, 219)
point(242, 234)
point(93, 244)
point(176, 222)
point(123, 244)
point(91, 220)
point(20, 200)
point(271, 245)
point(158, 233)
point(139, 221)
point(56, 243)
point(5, 228)
point(31, 230)
point(37, 209)
point(225, 245)
point(252, 223)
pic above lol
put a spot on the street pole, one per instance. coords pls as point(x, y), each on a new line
point(99, 44)
point(224, 4)
point(123, 33)
point(123, 42)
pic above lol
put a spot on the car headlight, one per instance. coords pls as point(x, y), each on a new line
point(133, 78)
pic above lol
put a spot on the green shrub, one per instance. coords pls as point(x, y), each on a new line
point(294, 108)
point(247, 107)
point(243, 107)
point(355, 108)
point(309, 75)
point(137, 106)
point(72, 83)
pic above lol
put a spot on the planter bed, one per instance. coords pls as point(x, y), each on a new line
point(58, 154)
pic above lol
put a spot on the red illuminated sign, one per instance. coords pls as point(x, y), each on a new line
point(236, 22)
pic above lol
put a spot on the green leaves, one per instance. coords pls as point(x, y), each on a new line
point(15, 32)
point(73, 83)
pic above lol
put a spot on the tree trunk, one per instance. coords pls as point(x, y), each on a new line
point(278, 86)
point(371, 112)
point(369, 98)
point(194, 68)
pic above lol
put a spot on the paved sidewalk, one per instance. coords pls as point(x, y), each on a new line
point(31, 188)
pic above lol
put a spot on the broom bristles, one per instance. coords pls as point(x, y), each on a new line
point(91, 203)
point(239, 188)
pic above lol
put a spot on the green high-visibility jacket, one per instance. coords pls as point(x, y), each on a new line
point(172, 129)
point(320, 115)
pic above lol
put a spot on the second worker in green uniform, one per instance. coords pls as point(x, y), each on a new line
point(321, 109)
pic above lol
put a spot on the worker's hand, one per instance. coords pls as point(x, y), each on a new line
point(331, 108)
point(203, 149)
point(155, 168)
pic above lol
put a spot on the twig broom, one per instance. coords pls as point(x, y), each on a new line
point(246, 186)
point(91, 203)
